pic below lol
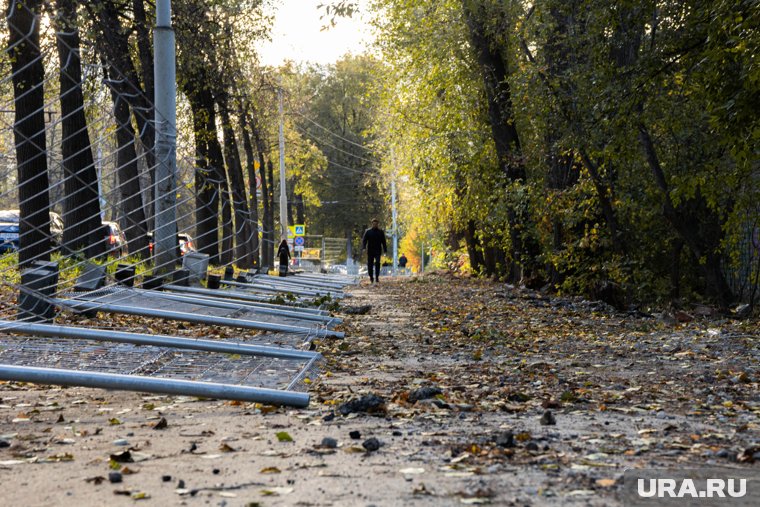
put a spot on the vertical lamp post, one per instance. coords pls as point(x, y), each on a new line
point(283, 193)
point(395, 228)
point(422, 258)
point(393, 213)
point(164, 73)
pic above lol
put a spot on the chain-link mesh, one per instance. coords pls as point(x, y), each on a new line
point(91, 161)
point(163, 362)
point(77, 202)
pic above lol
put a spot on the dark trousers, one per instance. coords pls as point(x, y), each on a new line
point(373, 261)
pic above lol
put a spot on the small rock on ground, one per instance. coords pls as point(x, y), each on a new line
point(370, 403)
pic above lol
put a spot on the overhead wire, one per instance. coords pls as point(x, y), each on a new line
point(102, 137)
point(350, 169)
point(109, 167)
point(310, 120)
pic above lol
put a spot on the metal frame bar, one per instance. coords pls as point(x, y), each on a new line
point(27, 328)
point(304, 371)
point(296, 280)
point(216, 303)
point(335, 277)
point(195, 318)
point(242, 296)
point(270, 287)
point(152, 385)
point(327, 276)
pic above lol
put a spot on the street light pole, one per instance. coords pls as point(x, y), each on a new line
point(283, 193)
point(422, 258)
point(395, 229)
point(394, 213)
point(165, 77)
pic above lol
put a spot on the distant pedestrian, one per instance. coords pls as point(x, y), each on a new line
point(374, 241)
point(402, 261)
point(283, 252)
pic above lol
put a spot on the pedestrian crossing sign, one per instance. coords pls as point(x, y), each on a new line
point(298, 229)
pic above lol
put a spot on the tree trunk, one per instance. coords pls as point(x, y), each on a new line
point(226, 255)
point(132, 210)
point(207, 184)
point(250, 165)
point(695, 223)
point(495, 74)
point(562, 172)
point(144, 44)
point(266, 251)
point(300, 211)
point(113, 40)
point(489, 260)
point(270, 225)
point(81, 206)
point(265, 247)
point(675, 269)
point(206, 203)
point(29, 131)
point(291, 201)
point(216, 169)
point(473, 247)
point(243, 250)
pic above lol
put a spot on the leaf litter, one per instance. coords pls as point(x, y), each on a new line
point(467, 383)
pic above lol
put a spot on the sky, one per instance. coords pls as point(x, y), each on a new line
point(296, 34)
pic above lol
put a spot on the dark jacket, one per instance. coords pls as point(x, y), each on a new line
point(283, 253)
point(374, 241)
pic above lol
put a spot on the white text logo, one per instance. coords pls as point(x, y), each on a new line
point(714, 488)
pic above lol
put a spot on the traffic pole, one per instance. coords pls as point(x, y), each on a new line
point(164, 73)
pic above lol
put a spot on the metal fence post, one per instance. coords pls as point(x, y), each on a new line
point(165, 235)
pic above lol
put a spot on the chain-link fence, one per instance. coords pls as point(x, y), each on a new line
point(743, 274)
point(78, 170)
point(78, 162)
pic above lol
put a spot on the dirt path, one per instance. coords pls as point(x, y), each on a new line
point(622, 391)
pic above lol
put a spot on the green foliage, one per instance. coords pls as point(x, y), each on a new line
point(590, 80)
point(335, 168)
point(9, 268)
point(638, 126)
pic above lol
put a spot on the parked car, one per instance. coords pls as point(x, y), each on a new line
point(186, 243)
point(9, 230)
point(56, 229)
point(116, 241)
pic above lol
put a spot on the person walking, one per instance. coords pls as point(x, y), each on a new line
point(374, 241)
point(402, 261)
point(283, 252)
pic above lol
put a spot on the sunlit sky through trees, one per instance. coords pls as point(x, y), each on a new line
point(297, 34)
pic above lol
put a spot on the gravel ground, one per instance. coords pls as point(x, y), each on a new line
point(464, 392)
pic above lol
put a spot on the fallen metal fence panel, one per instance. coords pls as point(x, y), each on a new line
point(256, 300)
point(278, 289)
point(154, 304)
point(298, 281)
point(333, 277)
point(87, 306)
point(285, 312)
point(76, 354)
point(50, 330)
point(152, 385)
